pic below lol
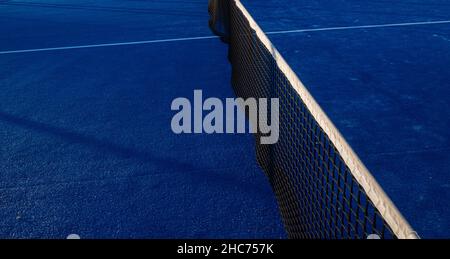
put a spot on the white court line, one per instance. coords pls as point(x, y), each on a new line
point(106, 45)
point(213, 37)
point(360, 27)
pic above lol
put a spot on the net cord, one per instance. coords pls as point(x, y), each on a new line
point(381, 201)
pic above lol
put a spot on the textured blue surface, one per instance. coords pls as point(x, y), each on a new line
point(386, 89)
point(85, 139)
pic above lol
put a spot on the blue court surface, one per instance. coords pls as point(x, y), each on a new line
point(86, 144)
point(85, 132)
point(380, 70)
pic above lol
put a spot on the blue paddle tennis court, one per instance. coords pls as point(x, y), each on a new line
point(85, 113)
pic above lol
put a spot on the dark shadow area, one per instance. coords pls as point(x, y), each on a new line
point(163, 164)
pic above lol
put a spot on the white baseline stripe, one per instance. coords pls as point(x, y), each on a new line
point(361, 27)
point(213, 37)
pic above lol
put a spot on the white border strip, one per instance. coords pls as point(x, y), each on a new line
point(385, 206)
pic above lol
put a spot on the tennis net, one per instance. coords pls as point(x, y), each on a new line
point(322, 188)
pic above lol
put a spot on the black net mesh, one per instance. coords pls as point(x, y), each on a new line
point(317, 194)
